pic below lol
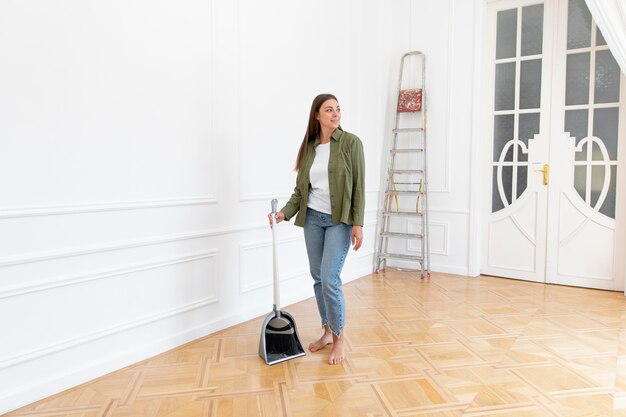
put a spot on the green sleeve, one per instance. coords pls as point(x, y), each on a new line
point(358, 183)
point(293, 205)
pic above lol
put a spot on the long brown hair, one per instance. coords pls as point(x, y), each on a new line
point(313, 128)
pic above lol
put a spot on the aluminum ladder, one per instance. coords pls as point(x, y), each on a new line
point(405, 197)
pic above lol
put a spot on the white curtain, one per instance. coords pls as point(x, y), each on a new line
point(610, 16)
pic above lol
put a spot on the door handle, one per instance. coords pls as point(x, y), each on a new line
point(546, 173)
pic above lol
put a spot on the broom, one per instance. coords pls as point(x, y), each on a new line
point(279, 337)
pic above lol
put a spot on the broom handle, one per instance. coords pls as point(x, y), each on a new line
point(275, 261)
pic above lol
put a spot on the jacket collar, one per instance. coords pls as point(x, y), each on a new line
point(336, 135)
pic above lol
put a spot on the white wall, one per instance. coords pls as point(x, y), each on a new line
point(141, 143)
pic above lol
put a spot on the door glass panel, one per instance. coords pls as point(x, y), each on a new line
point(509, 155)
point(597, 181)
point(577, 79)
point(503, 132)
point(532, 29)
point(608, 208)
point(577, 123)
point(528, 128)
point(496, 201)
point(522, 179)
point(580, 180)
point(596, 153)
point(600, 148)
point(578, 25)
point(530, 84)
point(507, 182)
point(505, 86)
point(600, 41)
point(506, 37)
point(605, 127)
point(509, 121)
point(582, 154)
point(607, 78)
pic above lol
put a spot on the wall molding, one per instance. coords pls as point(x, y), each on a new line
point(282, 278)
point(258, 245)
point(450, 269)
point(296, 274)
point(36, 211)
point(463, 212)
point(434, 268)
point(449, 97)
point(80, 279)
point(211, 118)
point(128, 244)
point(263, 196)
point(446, 237)
point(269, 196)
point(100, 334)
point(448, 93)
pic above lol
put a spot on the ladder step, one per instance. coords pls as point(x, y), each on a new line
point(406, 171)
point(410, 193)
point(408, 130)
point(407, 183)
point(402, 235)
point(409, 150)
point(402, 214)
point(400, 256)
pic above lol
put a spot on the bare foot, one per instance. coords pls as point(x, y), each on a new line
point(326, 339)
point(338, 354)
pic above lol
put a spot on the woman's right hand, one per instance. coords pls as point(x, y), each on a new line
point(280, 216)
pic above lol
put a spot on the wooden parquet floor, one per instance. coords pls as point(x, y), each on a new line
point(445, 347)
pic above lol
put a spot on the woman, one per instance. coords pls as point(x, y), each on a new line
point(329, 202)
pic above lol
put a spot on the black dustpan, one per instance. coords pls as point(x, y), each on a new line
point(279, 336)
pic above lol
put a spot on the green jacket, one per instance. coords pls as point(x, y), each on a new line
point(346, 176)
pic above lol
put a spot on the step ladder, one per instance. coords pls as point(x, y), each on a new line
point(405, 197)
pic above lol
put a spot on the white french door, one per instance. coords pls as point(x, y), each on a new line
point(554, 117)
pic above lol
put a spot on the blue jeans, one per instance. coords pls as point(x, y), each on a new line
point(327, 245)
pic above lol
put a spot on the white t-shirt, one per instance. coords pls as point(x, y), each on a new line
point(319, 194)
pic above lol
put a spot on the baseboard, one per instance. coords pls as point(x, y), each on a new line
point(450, 269)
point(446, 269)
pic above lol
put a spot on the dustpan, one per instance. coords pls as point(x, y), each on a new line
point(279, 337)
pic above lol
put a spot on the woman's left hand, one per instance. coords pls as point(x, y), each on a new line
point(357, 237)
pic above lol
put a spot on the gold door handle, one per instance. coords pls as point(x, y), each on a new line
point(546, 173)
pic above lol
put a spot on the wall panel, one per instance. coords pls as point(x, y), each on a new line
point(143, 142)
point(256, 262)
point(121, 98)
